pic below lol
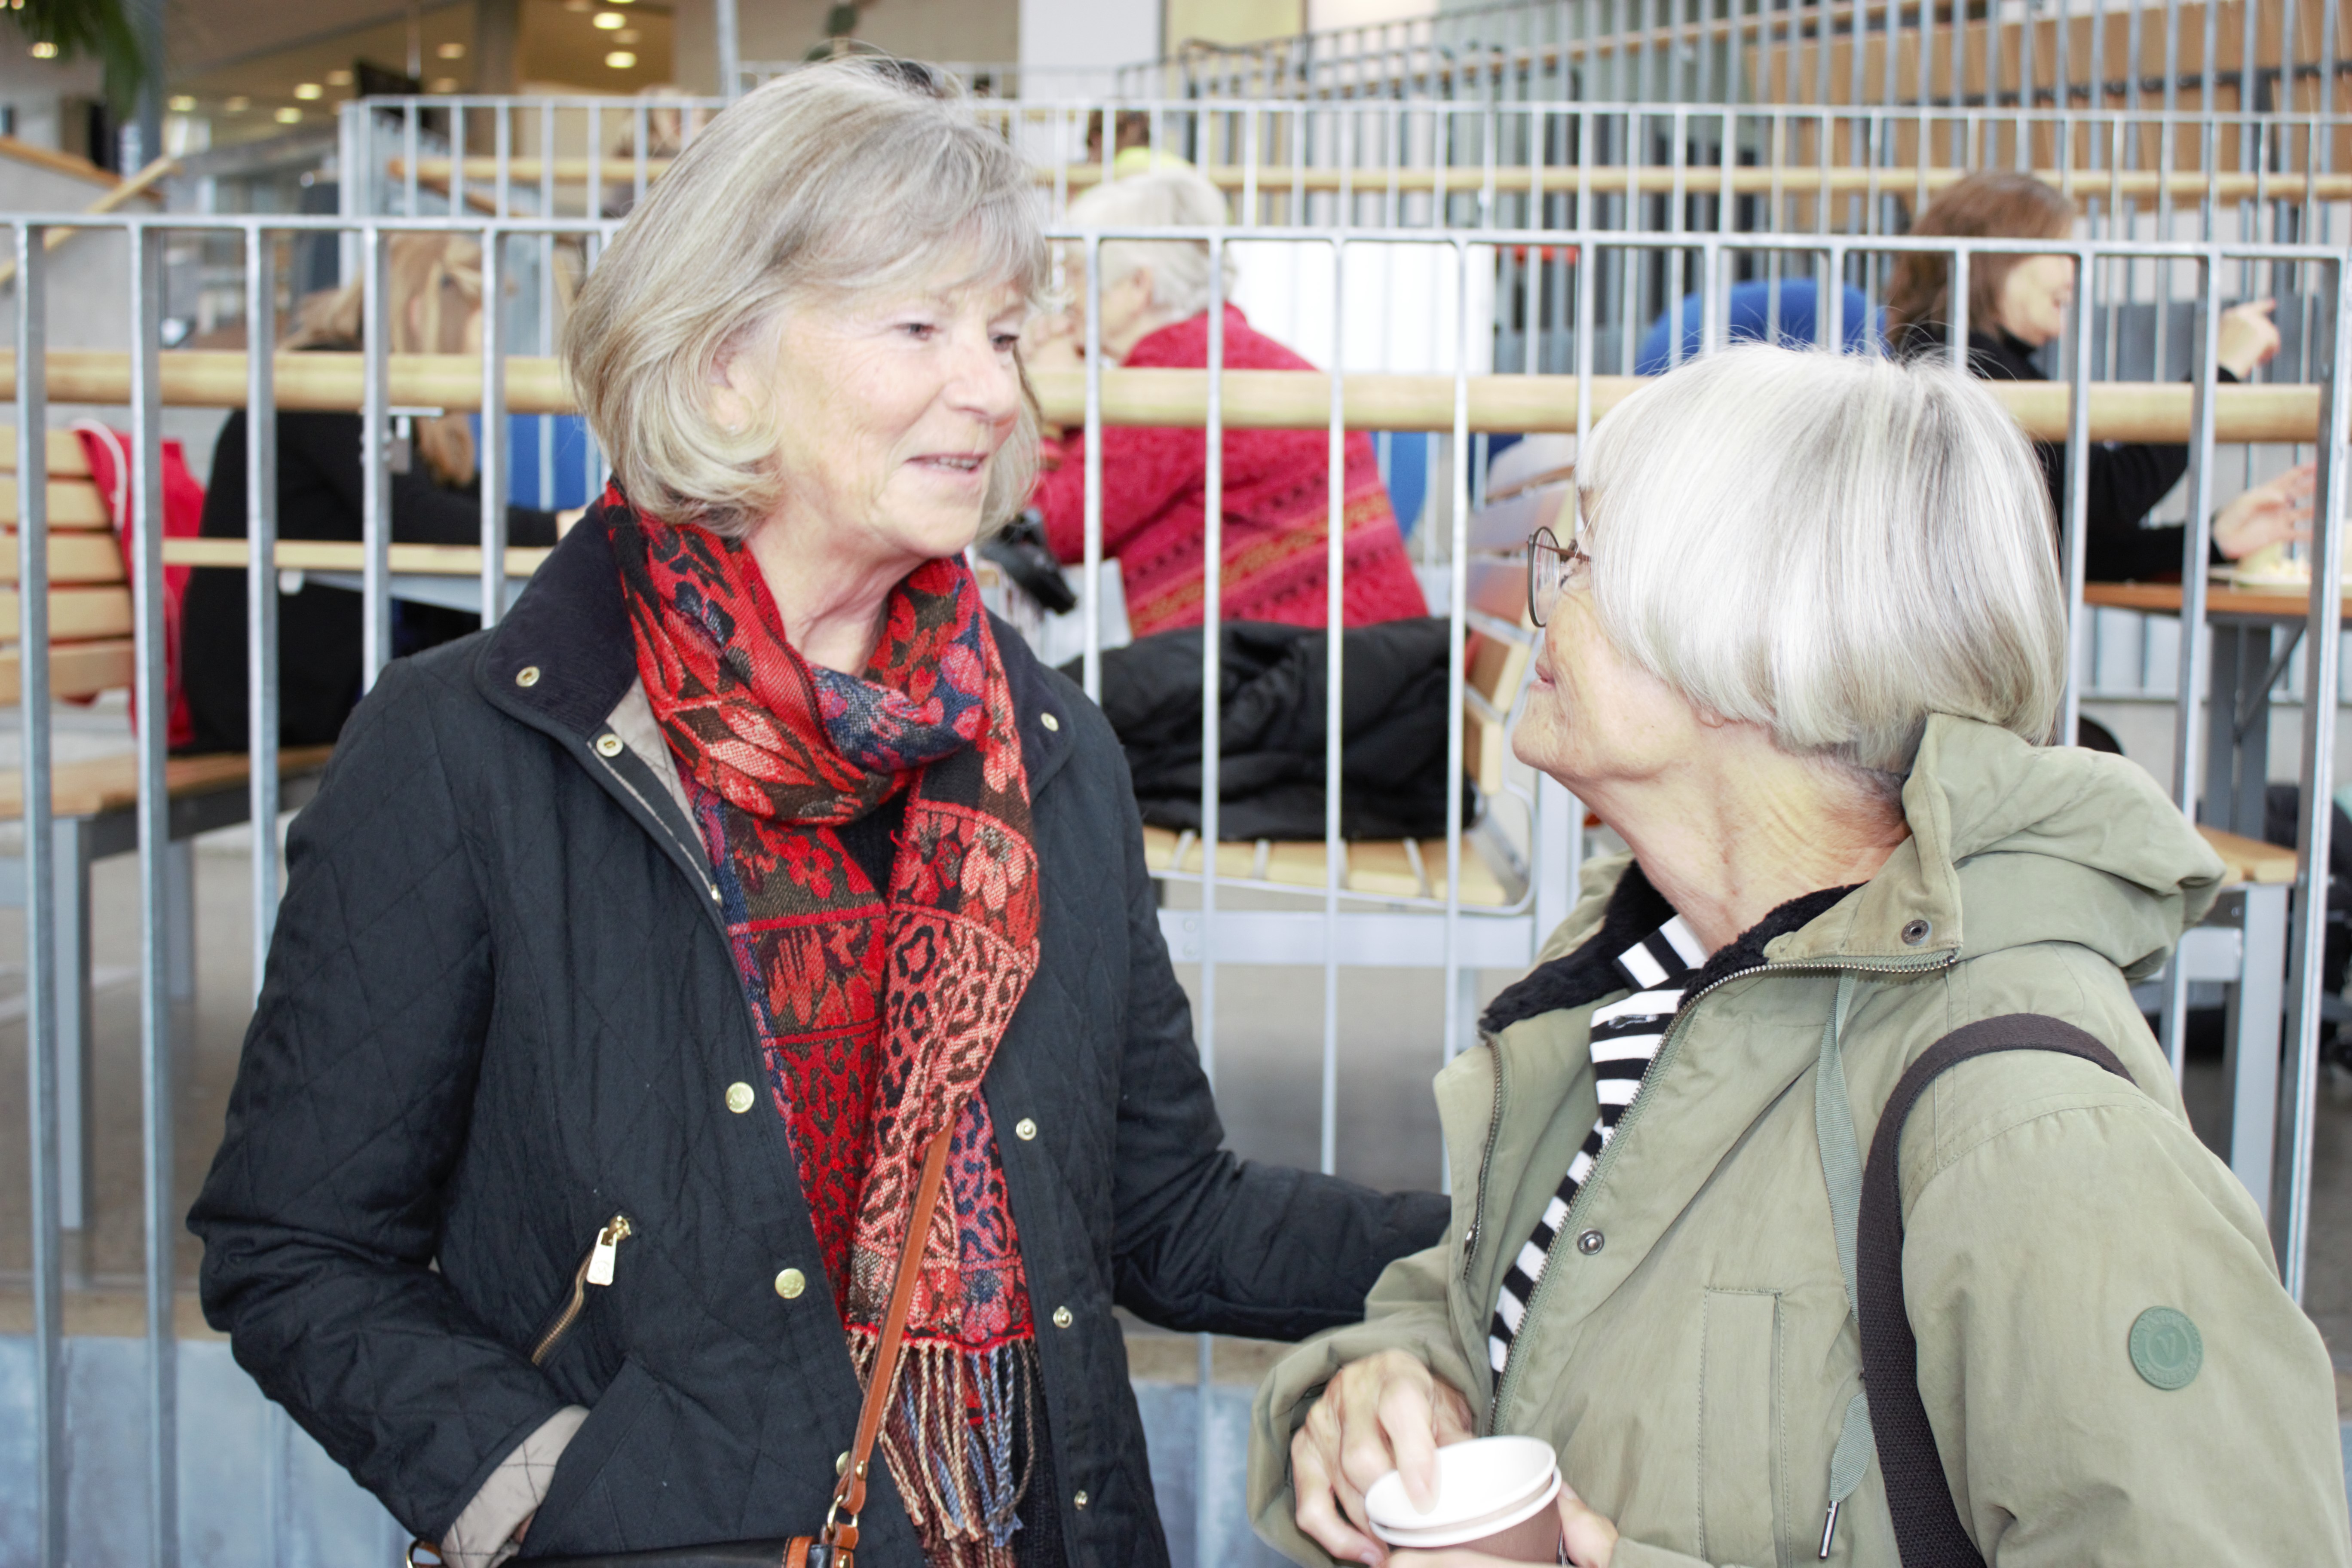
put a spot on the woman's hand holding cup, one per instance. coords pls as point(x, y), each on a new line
point(1386, 1412)
point(1590, 1540)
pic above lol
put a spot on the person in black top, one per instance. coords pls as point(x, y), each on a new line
point(2018, 303)
point(436, 281)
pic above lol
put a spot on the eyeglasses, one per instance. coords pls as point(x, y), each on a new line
point(1551, 565)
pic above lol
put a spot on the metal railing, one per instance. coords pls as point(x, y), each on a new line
point(2276, 55)
point(1330, 928)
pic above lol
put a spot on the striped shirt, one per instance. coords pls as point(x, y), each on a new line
point(1625, 1038)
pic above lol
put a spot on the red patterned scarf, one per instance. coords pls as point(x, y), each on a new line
point(878, 1010)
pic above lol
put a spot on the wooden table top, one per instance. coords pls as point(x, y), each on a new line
point(2164, 598)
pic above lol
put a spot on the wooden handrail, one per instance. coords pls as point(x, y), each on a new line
point(1253, 399)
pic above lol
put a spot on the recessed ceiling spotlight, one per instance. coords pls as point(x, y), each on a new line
point(290, 115)
point(608, 20)
point(182, 103)
point(627, 36)
point(339, 78)
point(444, 84)
point(451, 51)
point(308, 91)
point(45, 51)
point(239, 104)
point(621, 59)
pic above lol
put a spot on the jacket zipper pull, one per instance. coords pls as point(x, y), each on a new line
point(608, 1242)
point(1829, 1531)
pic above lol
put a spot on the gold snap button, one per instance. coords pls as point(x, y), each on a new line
point(790, 1283)
point(1079, 1499)
point(527, 676)
point(1025, 1130)
point(1062, 1317)
point(1053, 723)
point(739, 1097)
point(608, 745)
point(841, 1463)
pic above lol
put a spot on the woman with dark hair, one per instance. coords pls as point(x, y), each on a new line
point(2016, 304)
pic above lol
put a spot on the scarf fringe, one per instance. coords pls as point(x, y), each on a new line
point(959, 1439)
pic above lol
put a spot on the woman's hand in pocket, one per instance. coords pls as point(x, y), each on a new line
point(1386, 1412)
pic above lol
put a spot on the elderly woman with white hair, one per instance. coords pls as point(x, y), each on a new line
point(1277, 499)
point(1803, 654)
point(720, 1067)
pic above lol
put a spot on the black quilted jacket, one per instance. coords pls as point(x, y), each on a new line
point(500, 1009)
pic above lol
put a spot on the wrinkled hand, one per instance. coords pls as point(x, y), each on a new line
point(2249, 336)
point(1592, 1540)
point(2267, 514)
point(1384, 1412)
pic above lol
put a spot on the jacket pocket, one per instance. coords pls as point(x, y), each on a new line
point(596, 1267)
point(577, 1514)
point(1739, 1414)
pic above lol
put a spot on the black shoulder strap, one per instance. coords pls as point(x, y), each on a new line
point(1928, 1532)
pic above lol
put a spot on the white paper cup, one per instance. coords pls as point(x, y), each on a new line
point(1494, 1495)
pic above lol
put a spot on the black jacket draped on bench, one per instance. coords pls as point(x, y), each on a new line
point(500, 1009)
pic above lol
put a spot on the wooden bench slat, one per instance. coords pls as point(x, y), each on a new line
point(73, 558)
point(2251, 859)
point(111, 784)
point(76, 670)
point(76, 614)
point(66, 456)
point(73, 503)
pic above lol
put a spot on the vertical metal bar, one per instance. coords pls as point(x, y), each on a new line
point(1334, 675)
point(1213, 583)
point(493, 444)
point(1457, 614)
point(41, 1063)
point(2196, 637)
point(162, 1214)
point(2074, 529)
point(2323, 636)
point(1090, 599)
point(261, 583)
point(375, 480)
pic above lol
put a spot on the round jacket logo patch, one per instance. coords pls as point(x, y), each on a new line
point(2165, 1348)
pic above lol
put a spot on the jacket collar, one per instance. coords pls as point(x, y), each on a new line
point(564, 657)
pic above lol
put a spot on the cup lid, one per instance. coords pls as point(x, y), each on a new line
point(1483, 1486)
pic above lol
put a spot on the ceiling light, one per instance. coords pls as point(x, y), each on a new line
point(290, 115)
point(182, 103)
point(627, 36)
point(444, 84)
point(45, 51)
point(451, 51)
point(619, 59)
point(610, 20)
point(578, 5)
point(308, 90)
point(239, 104)
point(339, 78)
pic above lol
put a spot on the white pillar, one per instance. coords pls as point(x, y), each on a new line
point(1072, 49)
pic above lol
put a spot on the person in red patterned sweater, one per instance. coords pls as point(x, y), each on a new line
point(1155, 297)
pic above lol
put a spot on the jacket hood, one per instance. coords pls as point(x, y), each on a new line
point(2013, 844)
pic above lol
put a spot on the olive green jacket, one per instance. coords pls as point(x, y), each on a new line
point(1692, 1357)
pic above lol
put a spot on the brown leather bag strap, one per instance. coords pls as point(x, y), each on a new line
point(850, 1494)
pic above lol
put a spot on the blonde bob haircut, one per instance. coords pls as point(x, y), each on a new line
point(846, 179)
point(1833, 546)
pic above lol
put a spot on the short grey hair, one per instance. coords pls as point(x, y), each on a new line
point(1164, 198)
point(833, 180)
point(1833, 546)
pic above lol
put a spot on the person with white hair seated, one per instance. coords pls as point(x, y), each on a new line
point(1155, 300)
point(1803, 652)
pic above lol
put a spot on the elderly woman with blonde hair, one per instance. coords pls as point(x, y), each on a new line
point(735, 979)
point(1803, 654)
